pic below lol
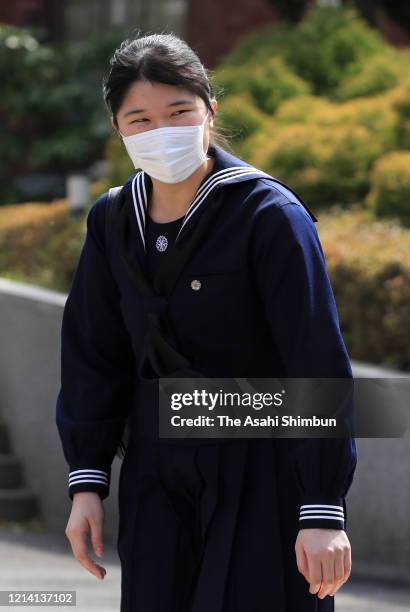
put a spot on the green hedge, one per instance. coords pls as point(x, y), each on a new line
point(349, 107)
point(51, 106)
point(328, 47)
point(390, 186)
point(33, 237)
point(324, 166)
point(268, 83)
point(379, 73)
point(241, 118)
point(368, 262)
point(369, 266)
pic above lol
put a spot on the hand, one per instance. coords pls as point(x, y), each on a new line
point(87, 514)
point(324, 559)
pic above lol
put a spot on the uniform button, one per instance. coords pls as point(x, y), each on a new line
point(196, 284)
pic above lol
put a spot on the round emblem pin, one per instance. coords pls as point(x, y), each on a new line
point(161, 243)
point(196, 284)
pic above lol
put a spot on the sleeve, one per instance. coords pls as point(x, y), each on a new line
point(97, 365)
point(292, 279)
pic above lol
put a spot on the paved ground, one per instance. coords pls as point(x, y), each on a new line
point(40, 561)
point(37, 561)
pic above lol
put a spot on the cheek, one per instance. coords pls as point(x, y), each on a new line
point(206, 139)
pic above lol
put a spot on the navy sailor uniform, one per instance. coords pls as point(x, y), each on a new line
point(207, 526)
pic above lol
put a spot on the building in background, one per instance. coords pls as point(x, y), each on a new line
point(77, 19)
point(212, 28)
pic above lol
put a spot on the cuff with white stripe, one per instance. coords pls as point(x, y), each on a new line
point(90, 479)
point(322, 515)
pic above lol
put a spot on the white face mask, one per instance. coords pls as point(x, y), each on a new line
point(169, 154)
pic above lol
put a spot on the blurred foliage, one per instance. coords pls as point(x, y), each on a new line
point(268, 83)
point(241, 117)
point(120, 164)
point(328, 154)
point(51, 107)
point(40, 243)
point(323, 135)
point(328, 46)
point(389, 195)
point(368, 262)
point(369, 265)
point(398, 11)
point(380, 73)
point(401, 106)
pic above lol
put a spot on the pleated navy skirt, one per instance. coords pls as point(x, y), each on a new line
point(209, 528)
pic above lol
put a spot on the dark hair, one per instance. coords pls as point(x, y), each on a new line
point(163, 58)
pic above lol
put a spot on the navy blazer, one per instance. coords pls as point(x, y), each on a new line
point(265, 308)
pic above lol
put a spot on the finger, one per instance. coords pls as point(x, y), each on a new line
point(301, 561)
point(94, 568)
point(315, 572)
point(347, 563)
point(339, 572)
point(97, 536)
point(78, 543)
point(328, 575)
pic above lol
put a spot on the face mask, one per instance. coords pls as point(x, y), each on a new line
point(169, 154)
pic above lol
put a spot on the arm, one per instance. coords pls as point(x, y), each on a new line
point(292, 279)
point(97, 364)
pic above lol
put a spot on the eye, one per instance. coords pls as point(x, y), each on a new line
point(140, 120)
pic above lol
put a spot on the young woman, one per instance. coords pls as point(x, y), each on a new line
point(206, 525)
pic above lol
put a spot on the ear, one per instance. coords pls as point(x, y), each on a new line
point(115, 128)
point(214, 104)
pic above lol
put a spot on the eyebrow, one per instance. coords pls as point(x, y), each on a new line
point(143, 110)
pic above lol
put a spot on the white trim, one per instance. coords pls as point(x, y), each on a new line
point(321, 511)
point(224, 175)
point(322, 516)
point(195, 204)
point(99, 471)
point(88, 475)
point(321, 506)
point(136, 207)
point(80, 480)
point(231, 171)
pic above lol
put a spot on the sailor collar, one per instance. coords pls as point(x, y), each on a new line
point(227, 169)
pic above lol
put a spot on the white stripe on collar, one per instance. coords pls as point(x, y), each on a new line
point(232, 173)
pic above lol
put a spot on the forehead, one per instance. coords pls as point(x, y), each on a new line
point(155, 96)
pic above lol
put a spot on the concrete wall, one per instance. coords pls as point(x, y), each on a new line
point(29, 382)
point(378, 502)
